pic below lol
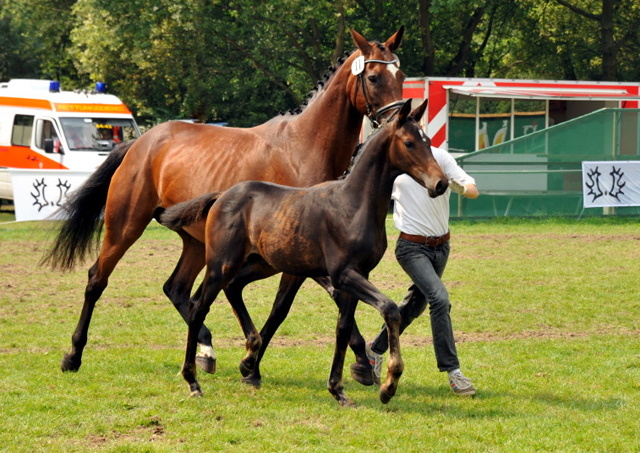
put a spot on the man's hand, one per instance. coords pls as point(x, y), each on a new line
point(457, 187)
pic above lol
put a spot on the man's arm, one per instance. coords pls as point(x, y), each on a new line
point(468, 190)
point(472, 191)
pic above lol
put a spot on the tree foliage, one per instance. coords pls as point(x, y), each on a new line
point(243, 61)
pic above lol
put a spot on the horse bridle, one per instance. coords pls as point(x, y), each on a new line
point(360, 80)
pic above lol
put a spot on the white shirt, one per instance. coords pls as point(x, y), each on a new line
point(414, 212)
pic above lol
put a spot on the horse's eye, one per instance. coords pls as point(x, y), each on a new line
point(373, 79)
point(408, 144)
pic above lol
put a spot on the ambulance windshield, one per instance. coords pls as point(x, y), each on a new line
point(97, 134)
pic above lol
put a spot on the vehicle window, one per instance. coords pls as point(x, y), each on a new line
point(44, 131)
point(97, 134)
point(22, 128)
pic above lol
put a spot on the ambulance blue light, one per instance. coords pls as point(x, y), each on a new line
point(54, 86)
point(101, 87)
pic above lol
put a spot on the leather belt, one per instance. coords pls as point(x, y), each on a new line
point(432, 241)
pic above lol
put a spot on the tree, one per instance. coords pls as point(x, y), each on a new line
point(41, 29)
point(243, 61)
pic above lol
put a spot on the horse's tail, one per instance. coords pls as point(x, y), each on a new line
point(83, 213)
point(189, 212)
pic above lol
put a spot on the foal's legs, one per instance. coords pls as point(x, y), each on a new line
point(117, 240)
point(218, 275)
point(346, 307)
point(289, 286)
point(211, 287)
point(361, 370)
point(178, 289)
point(361, 288)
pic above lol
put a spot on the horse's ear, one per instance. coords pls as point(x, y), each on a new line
point(394, 42)
point(404, 113)
point(361, 42)
point(418, 112)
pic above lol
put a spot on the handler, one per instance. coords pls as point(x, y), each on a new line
point(422, 250)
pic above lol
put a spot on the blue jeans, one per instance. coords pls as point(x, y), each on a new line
point(425, 265)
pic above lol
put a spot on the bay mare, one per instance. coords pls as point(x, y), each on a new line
point(334, 229)
point(177, 161)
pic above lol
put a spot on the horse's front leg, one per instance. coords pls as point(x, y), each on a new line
point(361, 288)
point(361, 370)
point(178, 289)
point(346, 310)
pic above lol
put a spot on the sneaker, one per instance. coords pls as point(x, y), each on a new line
point(375, 360)
point(461, 385)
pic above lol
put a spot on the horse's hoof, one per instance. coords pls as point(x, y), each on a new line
point(342, 398)
point(206, 363)
point(194, 390)
point(362, 374)
point(385, 397)
point(244, 369)
point(69, 364)
point(253, 381)
point(346, 402)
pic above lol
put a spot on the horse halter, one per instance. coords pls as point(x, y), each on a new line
point(374, 119)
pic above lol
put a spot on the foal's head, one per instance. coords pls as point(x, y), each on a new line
point(410, 150)
point(375, 78)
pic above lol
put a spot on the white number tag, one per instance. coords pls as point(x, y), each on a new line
point(357, 66)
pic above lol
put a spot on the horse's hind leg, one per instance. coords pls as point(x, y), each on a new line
point(346, 307)
point(93, 291)
point(289, 286)
point(254, 341)
point(210, 288)
point(113, 248)
point(178, 289)
point(220, 271)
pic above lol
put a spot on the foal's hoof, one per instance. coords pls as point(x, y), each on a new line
point(385, 397)
point(252, 380)
point(245, 371)
point(195, 391)
point(206, 363)
point(343, 399)
point(69, 364)
point(387, 392)
point(363, 374)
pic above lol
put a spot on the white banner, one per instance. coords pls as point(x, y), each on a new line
point(39, 193)
point(611, 183)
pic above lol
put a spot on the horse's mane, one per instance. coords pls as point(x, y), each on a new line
point(320, 84)
point(360, 150)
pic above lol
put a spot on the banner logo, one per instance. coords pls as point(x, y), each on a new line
point(611, 183)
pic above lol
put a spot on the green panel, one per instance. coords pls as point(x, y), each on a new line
point(540, 174)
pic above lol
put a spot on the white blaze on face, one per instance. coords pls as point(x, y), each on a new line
point(423, 135)
point(393, 69)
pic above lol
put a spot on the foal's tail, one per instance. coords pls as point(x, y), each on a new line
point(188, 212)
point(83, 213)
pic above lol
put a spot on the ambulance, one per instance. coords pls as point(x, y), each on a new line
point(43, 128)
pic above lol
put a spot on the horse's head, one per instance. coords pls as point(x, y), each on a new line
point(375, 79)
point(410, 150)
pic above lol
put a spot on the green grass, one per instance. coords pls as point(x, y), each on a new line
point(546, 313)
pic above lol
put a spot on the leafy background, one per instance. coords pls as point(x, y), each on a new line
point(242, 61)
